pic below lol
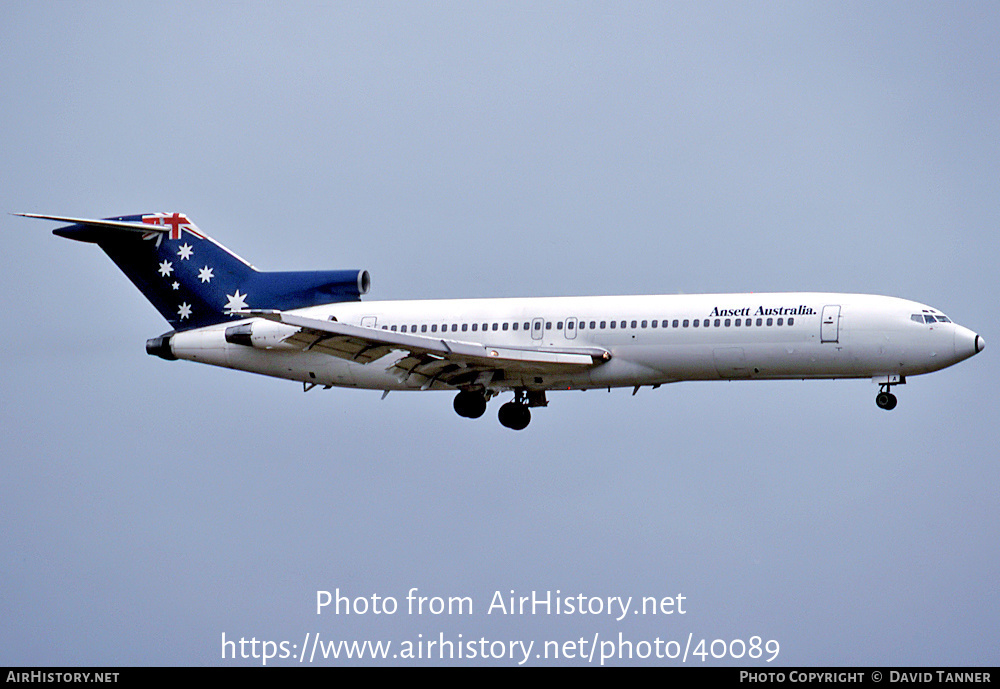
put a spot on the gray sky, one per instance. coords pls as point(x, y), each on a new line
point(476, 149)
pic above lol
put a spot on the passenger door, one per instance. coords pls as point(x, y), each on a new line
point(829, 329)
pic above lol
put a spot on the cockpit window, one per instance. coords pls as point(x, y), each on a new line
point(928, 318)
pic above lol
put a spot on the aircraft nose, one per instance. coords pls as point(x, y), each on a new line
point(967, 343)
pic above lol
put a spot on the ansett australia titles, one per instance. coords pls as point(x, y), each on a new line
point(800, 310)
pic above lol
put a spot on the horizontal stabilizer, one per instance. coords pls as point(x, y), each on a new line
point(104, 224)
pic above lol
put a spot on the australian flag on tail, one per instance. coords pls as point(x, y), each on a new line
point(194, 281)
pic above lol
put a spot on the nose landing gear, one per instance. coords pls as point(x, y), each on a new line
point(885, 399)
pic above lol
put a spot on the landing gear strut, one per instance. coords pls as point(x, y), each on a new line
point(885, 399)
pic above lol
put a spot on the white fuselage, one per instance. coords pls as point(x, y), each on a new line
point(651, 339)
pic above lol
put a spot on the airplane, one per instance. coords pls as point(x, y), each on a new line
point(312, 327)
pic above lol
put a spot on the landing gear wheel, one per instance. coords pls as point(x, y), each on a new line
point(515, 415)
point(470, 404)
point(886, 400)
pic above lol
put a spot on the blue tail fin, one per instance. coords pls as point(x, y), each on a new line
point(194, 281)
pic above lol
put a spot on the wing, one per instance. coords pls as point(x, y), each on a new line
point(432, 360)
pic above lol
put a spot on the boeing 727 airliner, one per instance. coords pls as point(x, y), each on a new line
point(312, 327)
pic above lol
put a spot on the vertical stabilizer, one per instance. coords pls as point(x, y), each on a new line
point(194, 281)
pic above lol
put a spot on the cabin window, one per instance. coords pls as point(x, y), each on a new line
point(548, 325)
point(634, 324)
point(695, 323)
point(760, 321)
point(393, 328)
point(475, 327)
point(538, 325)
point(506, 325)
point(525, 325)
point(592, 323)
point(614, 324)
point(791, 321)
point(465, 327)
point(559, 325)
point(674, 323)
point(770, 321)
point(604, 324)
point(515, 325)
point(434, 328)
point(781, 321)
point(685, 322)
point(495, 326)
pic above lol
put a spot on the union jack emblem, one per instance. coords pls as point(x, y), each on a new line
point(177, 222)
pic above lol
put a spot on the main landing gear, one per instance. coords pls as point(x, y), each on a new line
point(515, 414)
point(470, 404)
point(885, 399)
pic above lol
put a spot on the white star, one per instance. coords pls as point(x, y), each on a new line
point(185, 251)
point(176, 285)
point(237, 302)
point(166, 268)
point(205, 274)
point(184, 311)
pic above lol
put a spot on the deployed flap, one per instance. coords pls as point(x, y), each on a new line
point(450, 361)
